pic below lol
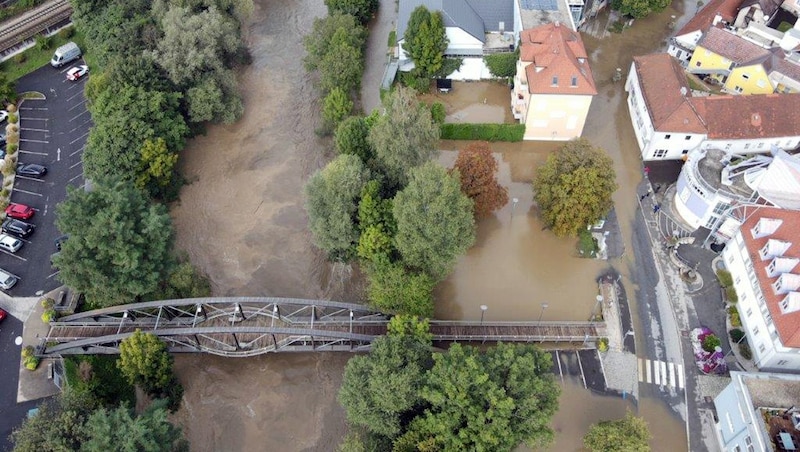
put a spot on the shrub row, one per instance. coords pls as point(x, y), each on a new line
point(485, 132)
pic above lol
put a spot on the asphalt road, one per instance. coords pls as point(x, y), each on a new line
point(53, 134)
point(11, 413)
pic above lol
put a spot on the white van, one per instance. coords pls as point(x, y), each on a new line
point(7, 280)
point(66, 53)
point(10, 244)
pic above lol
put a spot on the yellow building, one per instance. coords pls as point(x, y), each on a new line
point(732, 61)
point(751, 79)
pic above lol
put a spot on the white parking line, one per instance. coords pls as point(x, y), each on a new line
point(19, 176)
point(14, 255)
point(641, 369)
point(681, 382)
point(76, 139)
point(81, 125)
point(663, 373)
point(28, 192)
point(79, 175)
point(35, 119)
point(76, 164)
point(74, 96)
point(35, 130)
point(33, 108)
point(649, 372)
point(79, 150)
point(32, 152)
point(34, 141)
point(672, 381)
point(79, 115)
point(657, 373)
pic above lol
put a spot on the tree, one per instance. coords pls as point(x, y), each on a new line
point(120, 429)
point(502, 64)
point(425, 40)
point(157, 167)
point(711, 342)
point(145, 362)
point(377, 225)
point(351, 138)
point(486, 401)
point(639, 8)
point(8, 92)
point(404, 137)
point(363, 10)
point(185, 281)
point(478, 170)
point(120, 244)
point(57, 427)
point(381, 391)
point(435, 223)
point(318, 42)
point(629, 434)
point(332, 202)
point(341, 67)
point(394, 289)
point(573, 187)
point(335, 107)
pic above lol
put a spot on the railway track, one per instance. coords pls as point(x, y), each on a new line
point(28, 25)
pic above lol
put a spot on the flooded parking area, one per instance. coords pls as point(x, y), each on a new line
point(485, 102)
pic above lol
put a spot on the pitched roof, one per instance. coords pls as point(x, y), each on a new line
point(732, 47)
point(767, 6)
point(787, 325)
point(753, 116)
point(782, 65)
point(666, 92)
point(475, 17)
point(556, 54)
point(703, 19)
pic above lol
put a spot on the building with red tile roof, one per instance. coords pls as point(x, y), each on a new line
point(554, 86)
point(717, 13)
point(764, 260)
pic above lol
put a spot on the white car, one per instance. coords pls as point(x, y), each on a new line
point(3, 116)
point(77, 72)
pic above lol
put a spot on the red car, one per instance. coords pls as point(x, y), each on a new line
point(2, 315)
point(19, 211)
point(77, 72)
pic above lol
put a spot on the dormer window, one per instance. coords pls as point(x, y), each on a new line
point(790, 303)
point(773, 248)
point(555, 80)
point(787, 282)
point(765, 227)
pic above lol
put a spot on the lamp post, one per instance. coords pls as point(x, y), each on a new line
point(514, 202)
point(541, 313)
point(483, 311)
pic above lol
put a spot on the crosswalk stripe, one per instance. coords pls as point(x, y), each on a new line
point(641, 369)
point(663, 373)
point(657, 373)
point(681, 377)
point(649, 369)
point(672, 375)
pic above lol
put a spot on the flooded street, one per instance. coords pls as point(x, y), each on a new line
point(241, 220)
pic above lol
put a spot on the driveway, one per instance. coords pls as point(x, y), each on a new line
point(53, 134)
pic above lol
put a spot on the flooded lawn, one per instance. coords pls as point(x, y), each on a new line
point(475, 102)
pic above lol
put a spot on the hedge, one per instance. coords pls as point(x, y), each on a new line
point(484, 132)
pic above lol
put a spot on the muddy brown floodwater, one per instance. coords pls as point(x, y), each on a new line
point(241, 220)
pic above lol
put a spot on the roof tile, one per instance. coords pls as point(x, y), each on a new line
point(559, 54)
point(732, 47)
point(666, 93)
point(703, 19)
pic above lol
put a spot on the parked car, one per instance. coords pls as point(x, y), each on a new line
point(60, 241)
point(31, 169)
point(9, 243)
point(77, 72)
point(19, 211)
point(18, 228)
point(7, 280)
point(3, 115)
point(64, 54)
point(3, 315)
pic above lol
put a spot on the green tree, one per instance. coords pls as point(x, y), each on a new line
point(335, 108)
point(351, 138)
point(381, 391)
point(711, 342)
point(120, 429)
point(435, 222)
point(573, 187)
point(363, 10)
point(8, 92)
point(145, 362)
point(57, 427)
point(185, 281)
point(478, 169)
point(374, 210)
point(341, 67)
point(639, 8)
point(486, 401)
point(502, 64)
point(425, 40)
point(120, 244)
point(404, 137)
point(375, 245)
point(157, 167)
point(394, 289)
point(319, 41)
point(629, 434)
point(332, 202)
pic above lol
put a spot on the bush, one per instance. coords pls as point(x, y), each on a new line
point(602, 344)
point(725, 278)
point(745, 351)
point(736, 335)
point(502, 64)
point(48, 303)
point(20, 58)
point(392, 38)
point(730, 294)
point(12, 148)
point(31, 363)
point(484, 132)
point(13, 118)
point(43, 42)
point(711, 342)
point(587, 245)
point(438, 113)
point(66, 33)
point(27, 351)
point(11, 108)
point(49, 315)
point(734, 313)
point(418, 83)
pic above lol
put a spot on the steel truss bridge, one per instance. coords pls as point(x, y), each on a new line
point(249, 326)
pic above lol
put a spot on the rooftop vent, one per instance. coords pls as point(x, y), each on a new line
point(755, 120)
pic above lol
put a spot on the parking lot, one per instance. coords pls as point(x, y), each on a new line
point(53, 133)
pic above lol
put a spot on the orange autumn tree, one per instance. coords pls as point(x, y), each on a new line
point(478, 170)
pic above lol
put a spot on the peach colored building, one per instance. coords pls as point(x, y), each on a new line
point(553, 88)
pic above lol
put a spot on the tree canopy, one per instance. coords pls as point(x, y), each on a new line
point(57, 427)
point(492, 400)
point(639, 8)
point(351, 138)
point(573, 187)
point(395, 289)
point(363, 10)
point(629, 434)
point(145, 361)
point(320, 39)
point(120, 429)
point(478, 169)
point(404, 137)
point(120, 244)
point(435, 222)
point(332, 203)
point(502, 64)
point(425, 41)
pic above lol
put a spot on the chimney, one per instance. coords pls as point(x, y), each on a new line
point(755, 120)
point(558, 24)
point(717, 20)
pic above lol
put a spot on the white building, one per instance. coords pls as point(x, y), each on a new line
point(756, 412)
point(716, 13)
point(763, 259)
point(669, 122)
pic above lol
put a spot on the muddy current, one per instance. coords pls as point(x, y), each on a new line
point(241, 220)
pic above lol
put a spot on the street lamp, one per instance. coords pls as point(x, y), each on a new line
point(541, 313)
point(483, 311)
point(514, 202)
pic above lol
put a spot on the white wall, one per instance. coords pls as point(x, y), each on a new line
point(472, 69)
point(753, 145)
point(460, 41)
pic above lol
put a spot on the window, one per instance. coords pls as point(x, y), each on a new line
point(755, 331)
point(711, 222)
point(720, 208)
point(749, 312)
point(727, 146)
point(684, 152)
point(747, 146)
point(555, 81)
point(697, 64)
point(762, 348)
point(667, 136)
point(782, 362)
point(688, 137)
point(574, 81)
point(745, 76)
point(760, 145)
point(738, 280)
point(749, 443)
point(738, 89)
point(660, 153)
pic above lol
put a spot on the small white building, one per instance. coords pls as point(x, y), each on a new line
point(716, 13)
point(763, 258)
point(757, 412)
